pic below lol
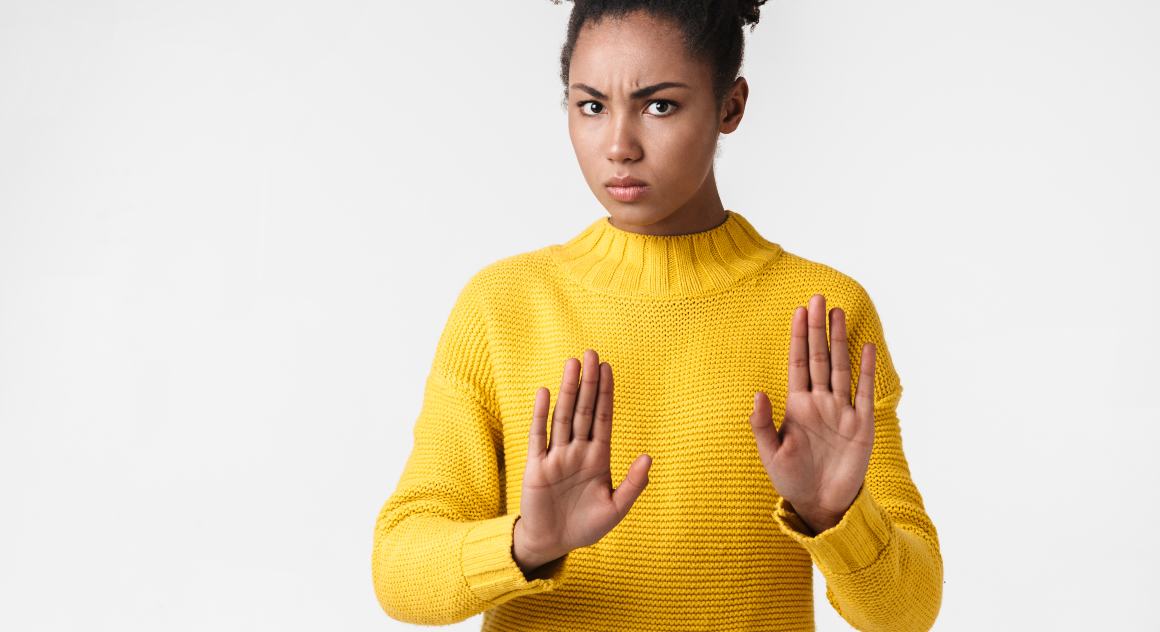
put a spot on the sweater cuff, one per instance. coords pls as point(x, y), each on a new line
point(491, 571)
point(856, 542)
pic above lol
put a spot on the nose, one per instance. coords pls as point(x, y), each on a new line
point(623, 143)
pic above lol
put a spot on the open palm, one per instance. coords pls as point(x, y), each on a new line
point(568, 500)
point(818, 459)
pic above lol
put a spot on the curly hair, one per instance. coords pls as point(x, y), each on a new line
point(711, 30)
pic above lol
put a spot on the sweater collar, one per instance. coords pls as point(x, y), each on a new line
point(613, 260)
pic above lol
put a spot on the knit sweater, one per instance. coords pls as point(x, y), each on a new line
point(692, 325)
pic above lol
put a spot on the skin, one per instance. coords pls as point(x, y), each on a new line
point(667, 138)
point(819, 457)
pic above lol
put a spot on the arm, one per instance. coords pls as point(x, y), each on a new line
point(442, 541)
point(882, 563)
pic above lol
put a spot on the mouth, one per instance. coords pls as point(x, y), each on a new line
point(626, 188)
point(624, 181)
point(627, 193)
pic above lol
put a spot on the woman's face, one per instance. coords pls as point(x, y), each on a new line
point(626, 117)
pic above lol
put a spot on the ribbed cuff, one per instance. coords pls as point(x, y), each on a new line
point(856, 542)
point(489, 569)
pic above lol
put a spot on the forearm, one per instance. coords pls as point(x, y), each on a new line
point(416, 571)
point(879, 575)
point(901, 591)
point(430, 570)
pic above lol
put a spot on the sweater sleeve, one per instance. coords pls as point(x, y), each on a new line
point(442, 548)
point(881, 562)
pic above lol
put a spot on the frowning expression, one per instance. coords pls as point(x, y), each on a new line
point(640, 107)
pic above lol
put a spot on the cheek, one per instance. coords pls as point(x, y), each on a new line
point(686, 151)
point(585, 143)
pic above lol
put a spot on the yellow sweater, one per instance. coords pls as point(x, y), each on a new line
point(693, 325)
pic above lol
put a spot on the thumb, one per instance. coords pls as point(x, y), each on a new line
point(763, 429)
point(633, 484)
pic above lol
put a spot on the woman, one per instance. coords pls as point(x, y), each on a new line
point(716, 522)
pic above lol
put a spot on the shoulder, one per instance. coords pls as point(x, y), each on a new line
point(814, 277)
point(512, 278)
point(863, 323)
point(524, 266)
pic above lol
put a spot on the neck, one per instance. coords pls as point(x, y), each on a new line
point(610, 259)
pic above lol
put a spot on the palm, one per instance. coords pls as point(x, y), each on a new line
point(820, 448)
point(569, 492)
point(818, 459)
point(568, 499)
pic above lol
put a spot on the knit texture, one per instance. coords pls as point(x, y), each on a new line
point(692, 325)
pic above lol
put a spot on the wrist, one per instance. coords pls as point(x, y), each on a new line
point(527, 558)
point(816, 521)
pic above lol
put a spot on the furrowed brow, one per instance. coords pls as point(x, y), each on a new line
point(636, 94)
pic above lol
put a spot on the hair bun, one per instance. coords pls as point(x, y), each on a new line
point(749, 11)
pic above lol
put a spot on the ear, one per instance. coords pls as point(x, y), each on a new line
point(733, 108)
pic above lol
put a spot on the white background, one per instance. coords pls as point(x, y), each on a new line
point(230, 234)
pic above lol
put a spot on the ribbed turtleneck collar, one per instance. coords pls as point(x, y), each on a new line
point(614, 260)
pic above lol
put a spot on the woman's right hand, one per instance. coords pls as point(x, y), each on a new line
point(568, 500)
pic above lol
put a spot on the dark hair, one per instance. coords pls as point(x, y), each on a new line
point(711, 29)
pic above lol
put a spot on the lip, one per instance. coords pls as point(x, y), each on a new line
point(624, 181)
point(627, 194)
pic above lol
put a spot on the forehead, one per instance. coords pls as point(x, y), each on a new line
point(637, 47)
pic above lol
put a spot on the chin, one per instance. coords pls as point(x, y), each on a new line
point(634, 214)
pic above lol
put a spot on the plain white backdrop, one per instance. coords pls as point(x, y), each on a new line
point(231, 232)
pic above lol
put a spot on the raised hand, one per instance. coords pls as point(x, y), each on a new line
point(819, 458)
point(568, 500)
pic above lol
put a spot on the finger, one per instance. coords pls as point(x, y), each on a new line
point(864, 401)
point(819, 348)
point(761, 421)
point(565, 401)
point(633, 484)
point(799, 373)
point(602, 424)
point(538, 436)
point(586, 401)
point(840, 353)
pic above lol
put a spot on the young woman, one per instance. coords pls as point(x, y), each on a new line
point(715, 333)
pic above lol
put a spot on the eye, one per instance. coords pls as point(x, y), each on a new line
point(582, 104)
point(669, 106)
point(666, 107)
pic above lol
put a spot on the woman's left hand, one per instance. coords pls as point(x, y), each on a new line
point(818, 459)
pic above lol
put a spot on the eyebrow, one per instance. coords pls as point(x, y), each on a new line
point(637, 94)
